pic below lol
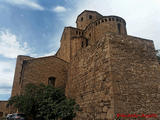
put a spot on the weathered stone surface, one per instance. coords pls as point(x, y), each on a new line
point(3, 109)
point(98, 64)
point(39, 70)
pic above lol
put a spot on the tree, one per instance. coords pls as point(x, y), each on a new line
point(44, 103)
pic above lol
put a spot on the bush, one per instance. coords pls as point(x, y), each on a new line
point(43, 102)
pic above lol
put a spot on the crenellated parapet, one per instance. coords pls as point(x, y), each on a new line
point(97, 29)
point(91, 27)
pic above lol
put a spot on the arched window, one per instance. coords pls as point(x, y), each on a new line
point(119, 28)
point(117, 19)
point(51, 81)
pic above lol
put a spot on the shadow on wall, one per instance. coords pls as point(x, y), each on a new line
point(158, 55)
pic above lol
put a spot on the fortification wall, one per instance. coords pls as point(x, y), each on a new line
point(135, 75)
point(75, 45)
point(3, 109)
point(86, 17)
point(64, 51)
point(96, 30)
point(39, 70)
point(89, 82)
point(17, 75)
point(117, 74)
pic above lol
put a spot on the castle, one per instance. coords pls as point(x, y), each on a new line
point(105, 70)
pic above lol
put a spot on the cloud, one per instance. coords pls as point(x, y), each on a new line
point(6, 78)
point(142, 16)
point(27, 3)
point(49, 54)
point(6, 72)
point(52, 53)
point(5, 89)
point(10, 46)
point(59, 9)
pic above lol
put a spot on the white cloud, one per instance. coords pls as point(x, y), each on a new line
point(44, 55)
point(6, 76)
point(49, 54)
point(59, 9)
point(5, 91)
point(6, 72)
point(10, 47)
point(28, 3)
point(142, 16)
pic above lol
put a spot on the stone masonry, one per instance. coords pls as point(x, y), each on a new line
point(105, 70)
point(3, 110)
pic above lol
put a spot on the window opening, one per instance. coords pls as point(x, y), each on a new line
point(81, 18)
point(86, 42)
point(51, 81)
point(119, 28)
point(82, 44)
point(90, 16)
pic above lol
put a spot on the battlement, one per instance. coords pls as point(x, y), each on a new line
point(86, 17)
point(91, 26)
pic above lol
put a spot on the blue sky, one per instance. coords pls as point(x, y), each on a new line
point(34, 27)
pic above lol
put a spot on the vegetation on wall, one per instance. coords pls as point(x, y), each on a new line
point(42, 102)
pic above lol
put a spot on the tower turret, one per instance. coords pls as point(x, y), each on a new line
point(86, 17)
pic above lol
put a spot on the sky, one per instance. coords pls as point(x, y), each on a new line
point(34, 27)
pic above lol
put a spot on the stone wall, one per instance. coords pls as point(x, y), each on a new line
point(117, 74)
point(86, 17)
point(3, 109)
point(97, 29)
point(40, 69)
point(64, 50)
point(76, 45)
point(17, 75)
point(90, 84)
point(135, 75)
point(90, 30)
point(68, 35)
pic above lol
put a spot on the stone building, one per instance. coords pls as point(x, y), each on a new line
point(3, 110)
point(107, 71)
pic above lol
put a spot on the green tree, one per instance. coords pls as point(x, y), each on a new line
point(43, 102)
